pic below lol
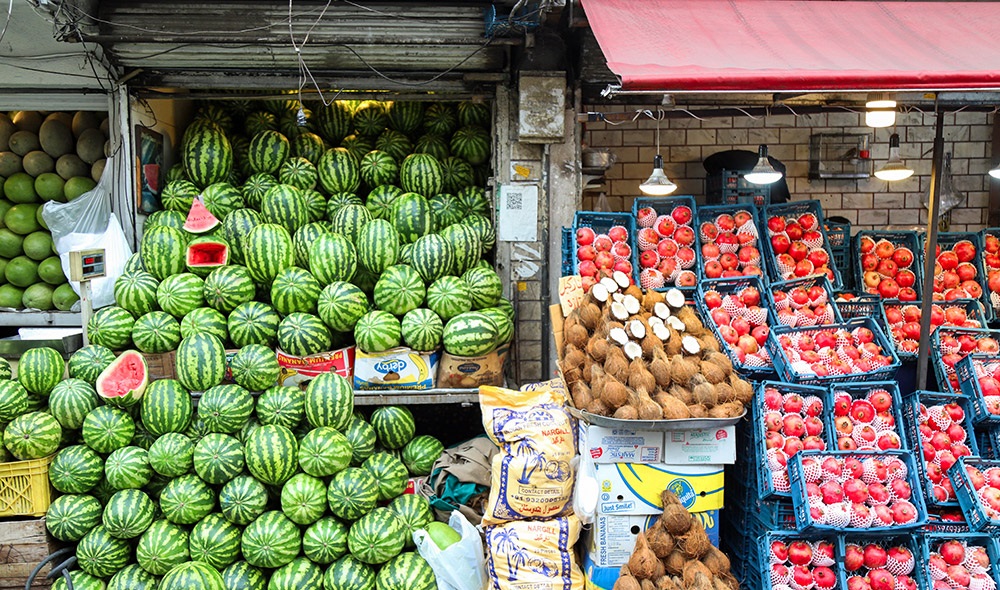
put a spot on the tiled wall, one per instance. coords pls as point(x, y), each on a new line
point(869, 203)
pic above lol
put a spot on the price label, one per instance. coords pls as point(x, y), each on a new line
point(571, 293)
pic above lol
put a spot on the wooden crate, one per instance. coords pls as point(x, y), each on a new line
point(23, 544)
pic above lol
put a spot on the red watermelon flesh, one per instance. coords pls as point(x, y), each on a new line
point(207, 253)
point(200, 219)
point(124, 381)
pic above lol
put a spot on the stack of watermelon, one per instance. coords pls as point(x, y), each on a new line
point(294, 489)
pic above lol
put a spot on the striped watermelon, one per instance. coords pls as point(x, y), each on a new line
point(242, 499)
point(414, 512)
point(472, 144)
point(470, 334)
point(205, 254)
point(334, 122)
point(255, 367)
point(294, 289)
point(80, 581)
point(325, 541)
point(255, 187)
point(197, 430)
point(440, 118)
point(102, 491)
point(171, 455)
point(70, 516)
point(218, 458)
point(40, 369)
point(268, 249)
point(161, 547)
point(315, 205)
point(162, 250)
point(300, 573)
point(485, 287)
point(394, 143)
point(324, 451)
point(422, 329)
point(338, 171)
point(408, 571)
point(76, 469)
point(186, 500)
point(377, 537)
point(377, 331)
point(484, 228)
point(332, 257)
point(338, 201)
point(215, 541)
point(303, 499)
point(357, 146)
point(127, 514)
point(449, 296)
point(393, 425)
point(270, 454)
point(241, 163)
point(235, 228)
point(420, 454)
point(348, 573)
point(399, 290)
point(421, 174)
point(365, 280)
point(341, 305)
point(14, 401)
point(174, 219)
point(110, 327)
point(180, 294)
point(309, 146)
point(298, 172)
point(303, 334)
point(457, 174)
point(193, 575)
point(466, 244)
point(304, 238)
point(474, 113)
point(352, 493)
point(272, 540)
point(377, 245)
point(507, 307)
point(136, 292)
point(156, 332)
point(225, 408)
point(128, 468)
point(411, 216)
point(288, 122)
point(32, 436)
point(206, 155)
point(216, 114)
point(142, 437)
point(268, 150)
point(380, 199)
point(406, 116)
point(200, 362)
point(472, 199)
point(259, 121)
point(389, 473)
point(222, 198)
point(69, 402)
point(227, 287)
point(253, 322)
point(370, 118)
point(505, 327)
point(177, 196)
point(284, 205)
point(132, 577)
point(361, 435)
point(166, 407)
point(206, 320)
point(378, 168)
point(433, 145)
point(445, 209)
point(100, 554)
point(348, 221)
point(5, 370)
point(432, 257)
point(284, 405)
point(134, 262)
point(329, 401)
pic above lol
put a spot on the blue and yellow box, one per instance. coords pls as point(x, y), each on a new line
point(396, 368)
point(635, 489)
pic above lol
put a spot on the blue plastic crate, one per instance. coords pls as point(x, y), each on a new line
point(947, 240)
point(601, 222)
point(803, 517)
point(973, 311)
point(726, 287)
point(909, 541)
point(965, 369)
point(931, 541)
point(988, 440)
point(992, 300)
point(663, 206)
point(783, 367)
point(795, 208)
point(899, 239)
point(860, 391)
point(936, 523)
point(861, 306)
point(568, 254)
point(839, 235)
point(710, 213)
point(764, 551)
point(730, 187)
point(806, 283)
point(941, 372)
point(968, 498)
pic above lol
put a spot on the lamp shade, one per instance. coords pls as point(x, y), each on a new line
point(894, 168)
point(763, 172)
point(657, 184)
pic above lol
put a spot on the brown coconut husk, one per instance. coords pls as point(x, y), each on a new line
point(744, 391)
point(705, 395)
point(616, 364)
point(591, 316)
point(650, 298)
point(675, 519)
point(648, 409)
point(597, 348)
point(650, 345)
point(727, 410)
point(573, 319)
point(682, 393)
point(698, 411)
point(692, 568)
point(574, 357)
point(681, 369)
point(674, 563)
point(730, 581)
point(646, 585)
point(634, 291)
point(599, 408)
point(724, 392)
point(695, 541)
point(721, 360)
point(581, 395)
point(673, 345)
point(692, 325)
point(643, 561)
point(626, 581)
point(614, 393)
point(716, 561)
point(627, 412)
point(659, 541)
point(699, 581)
point(709, 343)
point(712, 372)
point(673, 408)
point(571, 374)
point(639, 376)
point(660, 368)
point(577, 335)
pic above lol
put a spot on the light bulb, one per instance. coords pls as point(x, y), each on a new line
point(657, 184)
point(881, 111)
point(995, 171)
point(894, 168)
point(763, 172)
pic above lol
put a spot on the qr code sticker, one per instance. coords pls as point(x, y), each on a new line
point(514, 201)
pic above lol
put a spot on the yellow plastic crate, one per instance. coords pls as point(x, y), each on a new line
point(24, 487)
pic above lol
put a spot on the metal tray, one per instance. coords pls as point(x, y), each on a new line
point(664, 425)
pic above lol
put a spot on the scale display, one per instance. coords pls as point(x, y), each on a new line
point(86, 265)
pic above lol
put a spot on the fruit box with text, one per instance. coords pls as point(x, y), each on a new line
point(716, 446)
point(396, 368)
point(601, 444)
point(611, 538)
point(796, 243)
point(459, 372)
point(634, 489)
point(959, 562)
point(300, 369)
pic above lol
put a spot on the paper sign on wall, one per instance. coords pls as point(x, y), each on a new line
point(517, 215)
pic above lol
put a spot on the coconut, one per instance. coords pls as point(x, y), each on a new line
point(571, 375)
point(658, 571)
point(646, 584)
point(695, 542)
point(716, 561)
point(721, 584)
point(659, 540)
point(729, 581)
point(614, 394)
point(699, 581)
point(651, 298)
point(675, 520)
point(712, 372)
point(744, 391)
point(581, 395)
point(720, 360)
point(705, 395)
point(674, 563)
point(650, 344)
point(673, 408)
point(597, 348)
point(692, 325)
point(588, 366)
point(590, 315)
point(694, 568)
point(667, 498)
point(727, 410)
point(627, 412)
point(639, 377)
point(648, 409)
point(626, 581)
point(642, 563)
point(660, 368)
point(574, 357)
point(682, 393)
point(724, 392)
point(673, 345)
point(698, 411)
point(599, 408)
point(708, 343)
point(681, 369)
point(616, 365)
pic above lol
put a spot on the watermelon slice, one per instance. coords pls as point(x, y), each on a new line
point(124, 381)
point(207, 253)
point(200, 219)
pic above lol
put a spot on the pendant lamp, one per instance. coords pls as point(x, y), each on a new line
point(763, 172)
point(995, 171)
point(657, 184)
point(894, 168)
point(881, 110)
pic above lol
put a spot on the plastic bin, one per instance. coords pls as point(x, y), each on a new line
point(806, 283)
point(968, 498)
point(732, 286)
point(709, 214)
point(941, 371)
point(908, 239)
point(764, 551)
point(568, 252)
point(862, 306)
point(992, 299)
point(24, 487)
point(663, 206)
point(967, 371)
point(931, 541)
point(973, 310)
point(730, 187)
point(601, 223)
point(861, 391)
point(911, 542)
point(795, 208)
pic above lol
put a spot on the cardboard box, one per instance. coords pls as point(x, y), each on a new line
point(621, 445)
point(715, 446)
point(296, 370)
point(461, 372)
point(611, 538)
point(634, 489)
point(161, 366)
point(397, 368)
point(557, 319)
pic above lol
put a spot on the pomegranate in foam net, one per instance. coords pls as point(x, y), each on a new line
point(944, 437)
point(800, 564)
point(798, 247)
point(955, 564)
point(741, 318)
point(792, 423)
point(730, 246)
point(601, 255)
point(666, 242)
point(858, 492)
point(889, 270)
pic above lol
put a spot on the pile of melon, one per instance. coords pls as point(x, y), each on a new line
point(44, 156)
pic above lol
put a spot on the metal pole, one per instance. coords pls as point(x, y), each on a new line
point(933, 211)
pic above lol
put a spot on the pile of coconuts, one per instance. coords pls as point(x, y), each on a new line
point(637, 355)
point(676, 554)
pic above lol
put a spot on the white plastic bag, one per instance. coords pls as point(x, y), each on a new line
point(461, 566)
point(87, 223)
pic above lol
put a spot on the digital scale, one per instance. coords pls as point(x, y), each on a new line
point(85, 266)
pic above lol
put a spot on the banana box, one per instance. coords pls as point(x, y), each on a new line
point(396, 368)
point(299, 370)
point(620, 445)
point(634, 488)
point(611, 538)
point(710, 445)
point(466, 372)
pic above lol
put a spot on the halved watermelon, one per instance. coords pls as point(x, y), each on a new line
point(124, 381)
point(205, 254)
point(200, 220)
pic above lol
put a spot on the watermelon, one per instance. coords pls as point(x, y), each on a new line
point(235, 228)
point(377, 537)
point(411, 216)
point(485, 287)
point(70, 516)
point(421, 174)
point(380, 199)
point(505, 327)
point(334, 122)
point(406, 116)
point(377, 245)
point(79, 580)
point(88, 362)
point(370, 118)
point(408, 571)
point(309, 146)
point(13, 401)
point(216, 114)
point(132, 577)
point(389, 473)
point(365, 280)
point(267, 250)
point(285, 205)
point(352, 493)
point(338, 171)
point(124, 381)
point(294, 289)
point(206, 155)
point(348, 573)
point(128, 468)
point(399, 290)
point(127, 514)
point(207, 320)
point(446, 210)
point(474, 113)
point(284, 405)
point(220, 199)
point(449, 296)
point(466, 244)
point(325, 541)
point(255, 187)
point(484, 228)
point(393, 425)
point(471, 144)
point(196, 430)
point(218, 458)
point(341, 305)
point(69, 402)
point(200, 362)
point(32, 436)
point(271, 540)
point(472, 200)
point(324, 451)
point(102, 491)
point(357, 146)
point(136, 292)
point(340, 200)
point(40, 369)
point(440, 118)
point(166, 407)
point(162, 250)
point(394, 143)
point(298, 172)
point(186, 500)
point(225, 408)
point(100, 554)
point(432, 257)
point(5, 370)
point(76, 469)
point(215, 541)
point(205, 254)
point(329, 401)
point(378, 168)
point(432, 145)
point(470, 334)
point(270, 454)
point(507, 307)
point(457, 174)
point(304, 238)
point(193, 575)
point(420, 454)
point(332, 257)
point(268, 150)
point(110, 327)
point(377, 331)
point(179, 295)
point(348, 221)
point(162, 546)
point(303, 499)
point(413, 512)
point(242, 499)
point(422, 329)
point(259, 121)
point(253, 322)
point(171, 455)
point(142, 437)
point(255, 367)
point(178, 196)
point(303, 334)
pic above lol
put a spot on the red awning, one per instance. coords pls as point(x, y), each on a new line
point(789, 45)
